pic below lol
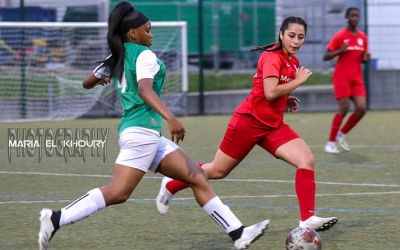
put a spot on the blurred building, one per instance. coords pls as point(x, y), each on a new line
point(231, 27)
point(71, 10)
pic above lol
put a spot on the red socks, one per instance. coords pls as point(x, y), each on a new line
point(337, 121)
point(175, 186)
point(305, 189)
point(351, 122)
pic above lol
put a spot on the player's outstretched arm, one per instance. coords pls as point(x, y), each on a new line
point(91, 80)
point(332, 54)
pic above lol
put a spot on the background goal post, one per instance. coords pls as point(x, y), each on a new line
point(42, 65)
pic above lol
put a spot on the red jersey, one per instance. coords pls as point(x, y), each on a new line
point(349, 62)
point(270, 64)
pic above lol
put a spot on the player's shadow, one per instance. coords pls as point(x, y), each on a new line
point(351, 224)
point(352, 160)
point(353, 157)
point(202, 241)
point(210, 241)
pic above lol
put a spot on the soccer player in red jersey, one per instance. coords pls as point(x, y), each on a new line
point(139, 77)
point(259, 121)
point(350, 45)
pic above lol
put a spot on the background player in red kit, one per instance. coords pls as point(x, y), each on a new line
point(259, 121)
point(351, 46)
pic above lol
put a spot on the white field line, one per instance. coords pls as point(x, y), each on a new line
point(226, 180)
point(222, 197)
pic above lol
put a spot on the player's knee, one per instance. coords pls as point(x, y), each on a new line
point(343, 111)
point(361, 110)
point(121, 197)
point(199, 182)
point(218, 174)
point(117, 196)
point(307, 161)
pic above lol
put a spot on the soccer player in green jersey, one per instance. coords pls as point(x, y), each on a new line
point(139, 76)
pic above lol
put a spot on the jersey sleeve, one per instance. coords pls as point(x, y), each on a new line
point(102, 70)
point(335, 43)
point(271, 65)
point(146, 65)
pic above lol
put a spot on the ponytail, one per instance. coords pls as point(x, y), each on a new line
point(115, 40)
point(268, 47)
point(122, 18)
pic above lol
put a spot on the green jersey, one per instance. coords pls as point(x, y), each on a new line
point(140, 62)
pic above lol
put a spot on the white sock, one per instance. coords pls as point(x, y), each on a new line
point(83, 207)
point(222, 214)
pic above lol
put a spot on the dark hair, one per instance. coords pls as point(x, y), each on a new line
point(283, 28)
point(348, 10)
point(122, 18)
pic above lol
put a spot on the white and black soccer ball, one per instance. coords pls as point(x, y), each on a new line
point(303, 239)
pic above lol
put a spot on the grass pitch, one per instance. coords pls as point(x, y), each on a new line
point(361, 187)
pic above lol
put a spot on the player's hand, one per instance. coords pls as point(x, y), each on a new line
point(104, 81)
point(302, 74)
point(366, 57)
point(293, 104)
point(343, 48)
point(177, 130)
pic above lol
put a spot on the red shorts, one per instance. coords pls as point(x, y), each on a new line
point(244, 132)
point(345, 87)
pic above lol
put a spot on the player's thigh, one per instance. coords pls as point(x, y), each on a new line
point(241, 136)
point(343, 105)
point(278, 137)
point(359, 97)
point(297, 153)
point(221, 166)
point(123, 182)
point(138, 148)
point(178, 165)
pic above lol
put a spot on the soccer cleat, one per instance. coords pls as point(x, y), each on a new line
point(319, 223)
point(341, 139)
point(164, 196)
point(331, 148)
point(251, 234)
point(46, 228)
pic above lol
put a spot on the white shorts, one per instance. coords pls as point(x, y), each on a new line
point(143, 148)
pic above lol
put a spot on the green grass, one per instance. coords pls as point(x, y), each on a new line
point(361, 187)
point(231, 81)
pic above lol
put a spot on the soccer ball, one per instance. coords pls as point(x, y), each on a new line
point(303, 239)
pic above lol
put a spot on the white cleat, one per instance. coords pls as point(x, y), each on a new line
point(46, 228)
point(164, 197)
point(341, 140)
point(319, 223)
point(251, 234)
point(331, 148)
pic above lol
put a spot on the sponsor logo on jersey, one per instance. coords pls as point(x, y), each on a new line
point(356, 47)
point(285, 78)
